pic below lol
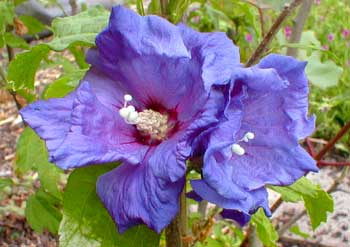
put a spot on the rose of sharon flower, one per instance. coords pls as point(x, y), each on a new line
point(151, 90)
point(257, 143)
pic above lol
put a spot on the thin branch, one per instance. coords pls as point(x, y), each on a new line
point(298, 26)
point(261, 16)
point(276, 204)
point(272, 32)
point(301, 242)
point(262, 21)
point(332, 142)
point(74, 7)
point(176, 230)
point(328, 163)
point(204, 229)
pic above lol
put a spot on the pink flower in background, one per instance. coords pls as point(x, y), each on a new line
point(330, 37)
point(287, 31)
point(345, 33)
point(248, 37)
point(317, 2)
point(325, 47)
point(196, 19)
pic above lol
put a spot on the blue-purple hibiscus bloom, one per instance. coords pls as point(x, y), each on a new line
point(152, 89)
point(257, 142)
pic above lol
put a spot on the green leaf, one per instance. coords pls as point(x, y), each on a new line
point(34, 26)
point(86, 222)
point(32, 155)
point(265, 230)
point(15, 41)
point(296, 230)
point(320, 74)
point(317, 201)
point(296, 191)
point(5, 182)
point(79, 55)
point(154, 8)
point(7, 13)
point(317, 207)
point(177, 8)
point(78, 29)
point(22, 69)
point(140, 9)
point(64, 85)
point(42, 212)
point(17, 2)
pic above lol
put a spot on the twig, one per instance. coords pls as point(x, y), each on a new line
point(301, 242)
point(299, 26)
point(276, 204)
point(292, 221)
point(310, 147)
point(10, 53)
point(73, 6)
point(164, 8)
point(329, 163)
point(332, 142)
point(262, 21)
point(261, 16)
point(272, 32)
point(175, 231)
point(203, 230)
point(202, 208)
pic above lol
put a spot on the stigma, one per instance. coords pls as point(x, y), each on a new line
point(238, 149)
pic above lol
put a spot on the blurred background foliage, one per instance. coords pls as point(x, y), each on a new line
point(33, 39)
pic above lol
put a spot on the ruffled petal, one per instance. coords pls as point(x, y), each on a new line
point(276, 112)
point(96, 135)
point(134, 195)
point(260, 200)
point(80, 130)
point(168, 159)
point(296, 95)
point(50, 119)
point(215, 51)
point(247, 202)
point(238, 216)
point(240, 201)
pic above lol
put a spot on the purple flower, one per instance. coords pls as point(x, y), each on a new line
point(317, 2)
point(325, 47)
point(152, 89)
point(345, 33)
point(330, 37)
point(288, 32)
point(248, 37)
point(257, 144)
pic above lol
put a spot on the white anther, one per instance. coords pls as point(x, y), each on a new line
point(130, 108)
point(132, 117)
point(237, 149)
point(249, 135)
point(127, 97)
point(124, 112)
